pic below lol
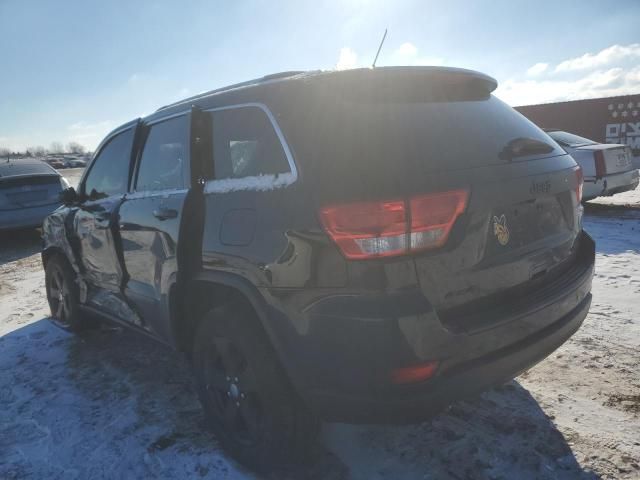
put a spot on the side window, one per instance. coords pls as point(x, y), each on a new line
point(109, 174)
point(163, 164)
point(246, 145)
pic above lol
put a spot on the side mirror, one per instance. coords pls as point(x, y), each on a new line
point(69, 196)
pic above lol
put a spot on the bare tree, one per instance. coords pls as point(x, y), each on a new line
point(75, 147)
point(56, 147)
point(38, 151)
point(4, 152)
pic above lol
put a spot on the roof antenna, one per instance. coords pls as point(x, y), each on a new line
point(373, 65)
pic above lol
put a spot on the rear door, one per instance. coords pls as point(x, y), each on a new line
point(95, 223)
point(151, 217)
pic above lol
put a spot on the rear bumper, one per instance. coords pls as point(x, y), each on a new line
point(28, 217)
point(340, 350)
point(611, 184)
point(467, 379)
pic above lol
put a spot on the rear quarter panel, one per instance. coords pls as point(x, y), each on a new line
point(272, 238)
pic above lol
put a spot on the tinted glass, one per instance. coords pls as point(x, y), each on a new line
point(367, 144)
point(164, 163)
point(109, 174)
point(245, 144)
point(569, 139)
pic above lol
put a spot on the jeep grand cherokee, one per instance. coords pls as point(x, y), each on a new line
point(360, 246)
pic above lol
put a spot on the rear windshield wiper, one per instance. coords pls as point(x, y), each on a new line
point(522, 146)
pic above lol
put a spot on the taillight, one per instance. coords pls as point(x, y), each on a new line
point(432, 217)
point(601, 167)
point(580, 180)
point(395, 227)
point(372, 229)
point(414, 374)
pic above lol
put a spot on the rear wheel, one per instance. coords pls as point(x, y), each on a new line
point(247, 399)
point(63, 294)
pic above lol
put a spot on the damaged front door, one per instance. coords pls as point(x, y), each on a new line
point(102, 190)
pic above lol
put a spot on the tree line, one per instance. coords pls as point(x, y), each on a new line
point(39, 151)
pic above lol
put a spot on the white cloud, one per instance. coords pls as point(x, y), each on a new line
point(609, 55)
point(84, 127)
point(408, 54)
point(537, 69)
point(601, 83)
point(407, 49)
point(134, 78)
point(88, 134)
point(348, 59)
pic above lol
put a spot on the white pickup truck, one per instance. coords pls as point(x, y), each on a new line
point(607, 168)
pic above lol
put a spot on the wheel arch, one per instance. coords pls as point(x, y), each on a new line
point(207, 290)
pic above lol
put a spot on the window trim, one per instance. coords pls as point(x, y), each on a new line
point(262, 182)
point(133, 190)
point(107, 140)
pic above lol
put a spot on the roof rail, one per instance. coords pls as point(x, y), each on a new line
point(266, 78)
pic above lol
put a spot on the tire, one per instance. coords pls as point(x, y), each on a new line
point(63, 294)
point(248, 401)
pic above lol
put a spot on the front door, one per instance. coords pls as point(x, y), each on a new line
point(95, 224)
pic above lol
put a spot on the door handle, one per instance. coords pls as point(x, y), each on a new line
point(165, 213)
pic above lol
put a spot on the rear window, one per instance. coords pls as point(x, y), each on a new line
point(569, 139)
point(371, 144)
point(29, 181)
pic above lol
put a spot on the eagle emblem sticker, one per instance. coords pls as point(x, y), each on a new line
point(500, 229)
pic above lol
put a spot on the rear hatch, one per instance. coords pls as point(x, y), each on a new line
point(399, 134)
point(25, 191)
point(610, 158)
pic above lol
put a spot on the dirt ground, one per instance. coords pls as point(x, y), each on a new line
point(112, 404)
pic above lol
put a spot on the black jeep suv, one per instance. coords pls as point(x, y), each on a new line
point(359, 246)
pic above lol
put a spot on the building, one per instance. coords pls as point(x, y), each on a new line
point(605, 120)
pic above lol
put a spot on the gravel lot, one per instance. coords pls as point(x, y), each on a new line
point(111, 404)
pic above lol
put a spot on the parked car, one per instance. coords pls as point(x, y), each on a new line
point(607, 168)
point(29, 191)
point(56, 163)
point(75, 163)
point(359, 246)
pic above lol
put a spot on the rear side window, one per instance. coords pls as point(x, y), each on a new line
point(164, 163)
point(109, 174)
point(246, 145)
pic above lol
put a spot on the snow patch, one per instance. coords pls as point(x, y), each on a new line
point(261, 183)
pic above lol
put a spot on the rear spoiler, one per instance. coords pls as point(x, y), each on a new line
point(401, 75)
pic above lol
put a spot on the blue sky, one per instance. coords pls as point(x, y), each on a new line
point(73, 70)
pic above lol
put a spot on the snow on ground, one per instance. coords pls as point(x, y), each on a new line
point(631, 199)
point(112, 404)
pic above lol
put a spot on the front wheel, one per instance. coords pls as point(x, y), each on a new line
point(247, 399)
point(63, 294)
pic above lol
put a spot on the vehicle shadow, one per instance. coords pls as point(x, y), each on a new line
point(112, 403)
point(17, 244)
point(502, 433)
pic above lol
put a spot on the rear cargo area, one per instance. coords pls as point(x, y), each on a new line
point(397, 137)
